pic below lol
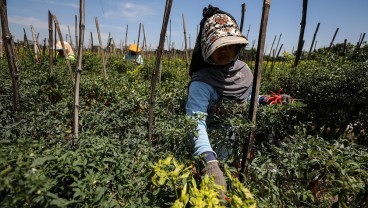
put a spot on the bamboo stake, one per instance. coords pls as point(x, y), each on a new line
point(26, 46)
point(79, 70)
point(51, 40)
point(301, 35)
point(185, 48)
point(91, 42)
point(333, 39)
point(248, 31)
point(157, 67)
point(126, 38)
point(247, 148)
point(101, 48)
point(1, 45)
point(361, 40)
point(11, 57)
point(35, 48)
point(269, 55)
point(70, 37)
point(76, 32)
point(62, 45)
point(243, 6)
point(314, 38)
point(277, 46)
point(139, 35)
point(344, 48)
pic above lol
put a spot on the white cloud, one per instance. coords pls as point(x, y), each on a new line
point(130, 11)
point(27, 21)
point(59, 3)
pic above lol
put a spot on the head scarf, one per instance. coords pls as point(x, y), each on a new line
point(220, 30)
point(198, 62)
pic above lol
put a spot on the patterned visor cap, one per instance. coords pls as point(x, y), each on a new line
point(220, 30)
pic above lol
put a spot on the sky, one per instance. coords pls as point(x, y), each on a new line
point(115, 15)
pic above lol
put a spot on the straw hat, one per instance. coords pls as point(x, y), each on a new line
point(133, 48)
point(68, 48)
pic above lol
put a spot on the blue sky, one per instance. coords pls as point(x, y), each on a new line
point(114, 15)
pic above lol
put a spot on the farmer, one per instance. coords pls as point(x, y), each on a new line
point(134, 54)
point(216, 72)
point(68, 50)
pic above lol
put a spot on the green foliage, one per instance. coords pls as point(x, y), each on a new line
point(171, 178)
point(309, 171)
point(111, 164)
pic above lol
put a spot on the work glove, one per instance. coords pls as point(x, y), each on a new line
point(213, 169)
point(286, 99)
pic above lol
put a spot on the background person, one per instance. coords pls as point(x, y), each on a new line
point(133, 54)
point(68, 49)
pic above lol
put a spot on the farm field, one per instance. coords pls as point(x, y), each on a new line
point(94, 126)
point(302, 157)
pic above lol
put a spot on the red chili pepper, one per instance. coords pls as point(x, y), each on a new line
point(227, 199)
point(196, 174)
point(275, 98)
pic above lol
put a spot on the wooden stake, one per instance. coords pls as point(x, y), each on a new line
point(242, 16)
point(62, 45)
point(11, 57)
point(76, 32)
point(139, 35)
point(333, 39)
point(314, 38)
point(157, 68)
point(51, 40)
point(301, 35)
point(70, 37)
point(101, 48)
point(91, 42)
point(79, 70)
point(34, 43)
point(185, 48)
point(247, 148)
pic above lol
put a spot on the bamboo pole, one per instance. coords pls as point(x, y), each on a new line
point(185, 48)
point(35, 48)
point(70, 37)
point(344, 48)
point(277, 46)
point(269, 55)
point(333, 39)
point(247, 148)
point(51, 40)
point(243, 6)
point(314, 38)
point(62, 45)
point(76, 32)
point(301, 35)
point(79, 70)
point(11, 57)
point(1, 45)
point(139, 35)
point(248, 31)
point(126, 38)
point(361, 40)
point(91, 42)
point(101, 47)
point(157, 68)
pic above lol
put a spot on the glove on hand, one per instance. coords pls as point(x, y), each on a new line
point(286, 99)
point(213, 169)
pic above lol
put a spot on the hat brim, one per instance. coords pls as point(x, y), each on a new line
point(224, 41)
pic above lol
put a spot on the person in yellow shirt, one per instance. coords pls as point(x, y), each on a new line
point(68, 50)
